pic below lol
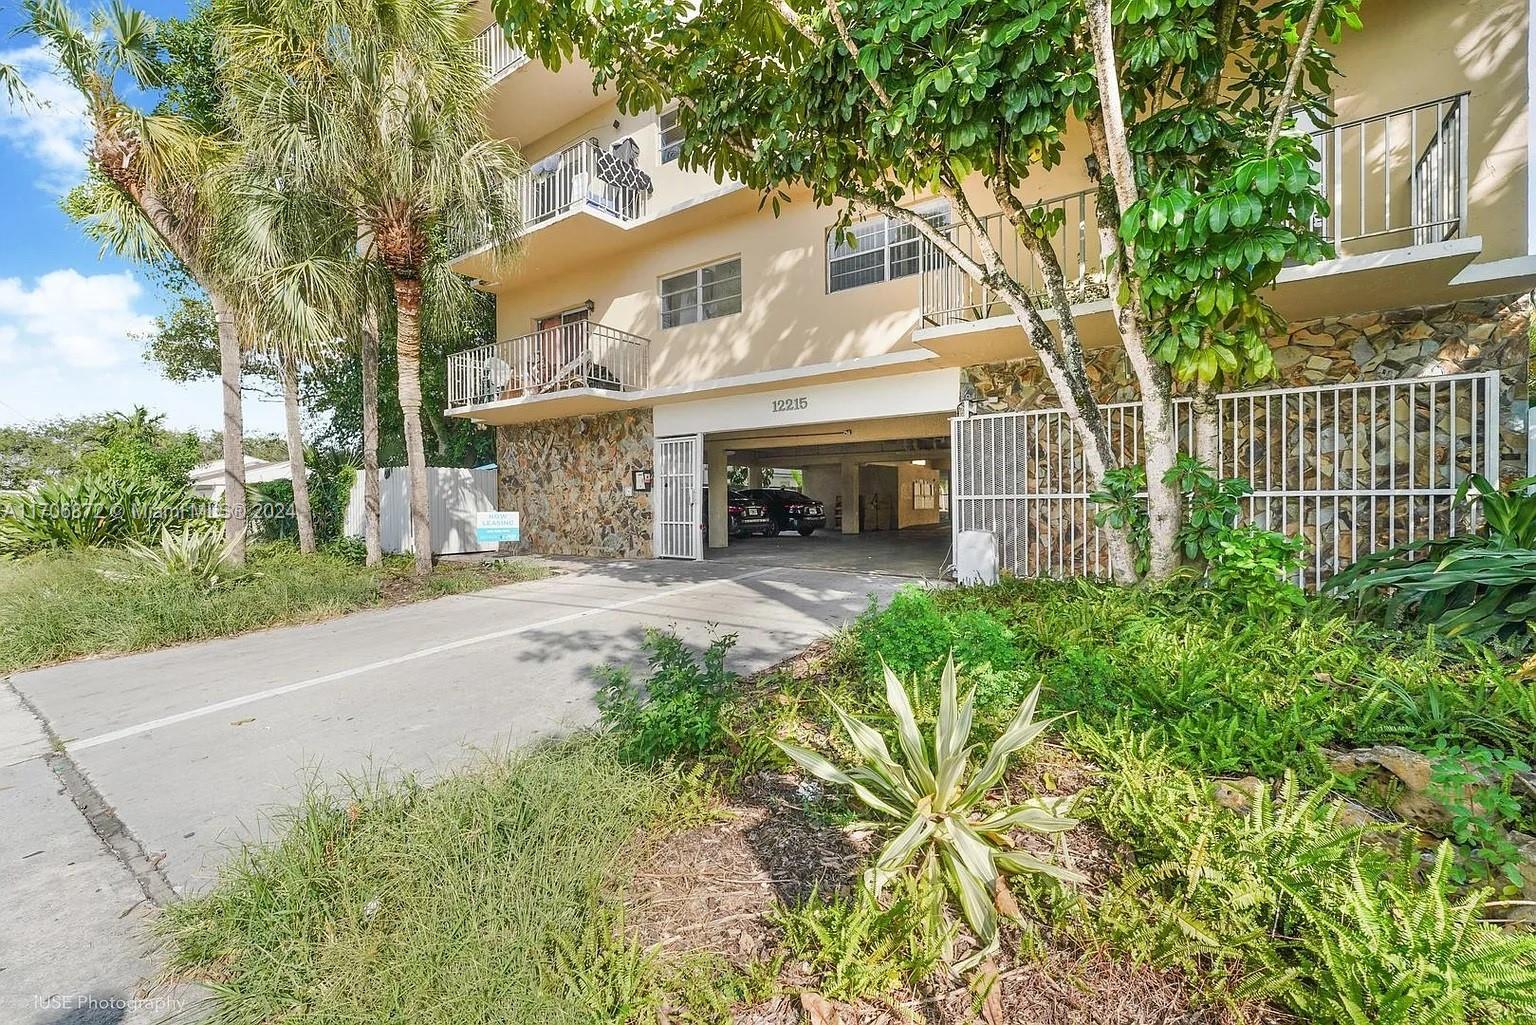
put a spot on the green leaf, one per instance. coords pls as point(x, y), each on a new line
point(908, 736)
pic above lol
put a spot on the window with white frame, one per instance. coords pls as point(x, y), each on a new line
point(701, 294)
point(671, 127)
point(880, 249)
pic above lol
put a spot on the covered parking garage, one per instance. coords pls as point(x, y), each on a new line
point(874, 451)
point(885, 498)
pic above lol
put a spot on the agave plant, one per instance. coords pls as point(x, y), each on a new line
point(1479, 586)
point(951, 837)
point(196, 550)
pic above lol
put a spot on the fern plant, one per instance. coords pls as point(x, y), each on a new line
point(1390, 951)
point(950, 838)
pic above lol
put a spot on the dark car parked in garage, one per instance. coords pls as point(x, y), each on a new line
point(746, 516)
point(790, 510)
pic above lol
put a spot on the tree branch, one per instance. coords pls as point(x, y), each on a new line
point(1107, 70)
point(793, 19)
point(1293, 76)
point(853, 51)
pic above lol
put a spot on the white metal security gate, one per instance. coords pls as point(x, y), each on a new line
point(679, 479)
point(1352, 468)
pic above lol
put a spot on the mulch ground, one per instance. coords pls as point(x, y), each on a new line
point(711, 888)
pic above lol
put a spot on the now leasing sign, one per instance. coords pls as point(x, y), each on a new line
point(496, 527)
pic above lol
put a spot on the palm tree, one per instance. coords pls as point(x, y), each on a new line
point(294, 257)
point(148, 171)
point(377, 106)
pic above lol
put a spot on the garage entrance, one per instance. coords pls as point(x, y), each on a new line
point(882, 486)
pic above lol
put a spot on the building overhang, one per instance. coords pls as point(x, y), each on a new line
point(586, 401)
point(1422, 275)
point(577, 236)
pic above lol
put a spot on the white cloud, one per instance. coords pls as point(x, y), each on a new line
point(72, 319)
point(51, 129)
point(72, 344)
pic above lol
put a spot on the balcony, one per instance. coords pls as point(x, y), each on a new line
point(565, 370)
point(1396, 186)
point(498, 57)
point(583, 176)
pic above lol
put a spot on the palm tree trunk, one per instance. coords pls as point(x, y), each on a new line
point(234, 431)
point(371, 434)
point(408, 366)
point(302, 511)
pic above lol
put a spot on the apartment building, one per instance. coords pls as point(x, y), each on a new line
point(662, 326)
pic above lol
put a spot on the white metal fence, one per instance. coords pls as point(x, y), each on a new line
point(1352, 468)
point(498, 57)
point(579, 354)
point(454, 497)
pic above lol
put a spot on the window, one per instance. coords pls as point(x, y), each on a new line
point(703, 294)
point(882, 250)
point(671, 135)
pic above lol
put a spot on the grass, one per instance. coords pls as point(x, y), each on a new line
point(395, 902)
point(65, 605)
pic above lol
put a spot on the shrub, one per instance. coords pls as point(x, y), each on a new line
point(91, 511)
point(330, 486)
point(863, 948)
point(914, 636)
point(1479, 586)
point(676, 712)
point(1476, 786)
point(1235, 694)
point(197, 551)
point(949, 839)
point(1284, 901)
point(1249, 568)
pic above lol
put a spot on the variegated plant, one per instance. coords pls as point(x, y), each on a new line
point(951, 837)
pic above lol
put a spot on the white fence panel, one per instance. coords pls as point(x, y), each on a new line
point(454, 497)
point(1352, 468)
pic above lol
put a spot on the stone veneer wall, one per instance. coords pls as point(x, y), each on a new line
point(1473, 335)
point(567, 477)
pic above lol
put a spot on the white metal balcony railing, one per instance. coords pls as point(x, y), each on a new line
point(582, 354)
point(498, 57)
point(581, 176)
point(1392, 180)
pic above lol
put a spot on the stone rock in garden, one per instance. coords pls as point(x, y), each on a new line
point(1525, 843)
point(1237, 794)
point(1410, 767)
point(1354, 815)
point(1423, 812)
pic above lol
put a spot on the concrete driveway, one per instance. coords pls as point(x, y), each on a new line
point(125, 782)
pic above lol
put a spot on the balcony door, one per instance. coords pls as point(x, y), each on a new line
point(561, 346)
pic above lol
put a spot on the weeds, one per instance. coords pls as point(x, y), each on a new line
point(675, 713)
point(862, 949)
point(395, 901)
point(62, 605)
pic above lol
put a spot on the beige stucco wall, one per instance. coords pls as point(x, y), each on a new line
point(1410, 51)
point(1413, 51)
point(788, 319)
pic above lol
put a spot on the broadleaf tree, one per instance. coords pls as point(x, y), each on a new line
point(869, 106)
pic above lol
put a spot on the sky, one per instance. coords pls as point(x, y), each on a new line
point(72, 320)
